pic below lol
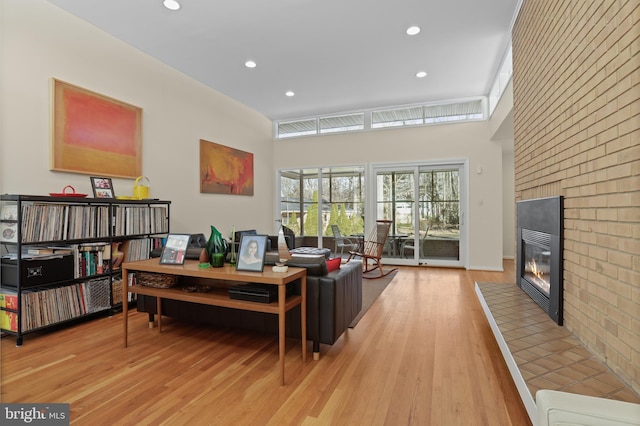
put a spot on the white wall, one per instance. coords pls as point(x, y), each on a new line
point(442, 142)
point(501, 124)
point(509, 206)
point(38, 42)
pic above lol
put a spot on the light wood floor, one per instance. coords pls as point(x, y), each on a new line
point(422, 355)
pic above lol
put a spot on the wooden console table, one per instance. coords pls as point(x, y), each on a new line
point(221, 298)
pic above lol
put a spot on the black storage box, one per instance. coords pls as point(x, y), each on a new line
point(263, 293)
point(37, 272)
point(254, 292)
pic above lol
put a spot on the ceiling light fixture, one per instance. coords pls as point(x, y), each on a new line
point(171, 4)
point(289, 93)
point(421, 74)
point(250, 64)
point(413, 30)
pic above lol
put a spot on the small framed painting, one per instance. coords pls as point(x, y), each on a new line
point(102, 187)
point(175, 249)
point(252, 250)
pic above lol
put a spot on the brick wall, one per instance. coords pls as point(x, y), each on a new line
point(576, 84)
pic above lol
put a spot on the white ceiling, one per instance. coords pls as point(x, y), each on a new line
point(336, 55)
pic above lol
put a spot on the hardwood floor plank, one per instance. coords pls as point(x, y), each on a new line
point(422, 355)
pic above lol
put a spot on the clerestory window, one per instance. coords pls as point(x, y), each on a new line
point(414, 115)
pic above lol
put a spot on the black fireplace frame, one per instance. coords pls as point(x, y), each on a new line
point(543, 215)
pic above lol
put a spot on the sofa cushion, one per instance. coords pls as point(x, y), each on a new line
point(312, 251)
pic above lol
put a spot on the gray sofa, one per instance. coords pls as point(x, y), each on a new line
point(334, 299)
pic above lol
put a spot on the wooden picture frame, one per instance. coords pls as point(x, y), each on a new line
point(175, 249)
point(94, 134)
point(102, 187)
point(251, 253)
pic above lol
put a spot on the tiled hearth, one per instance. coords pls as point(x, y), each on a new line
point(542, 355)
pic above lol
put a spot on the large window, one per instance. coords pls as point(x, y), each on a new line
point(311, 200)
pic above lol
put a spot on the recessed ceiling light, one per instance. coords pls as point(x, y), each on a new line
point(171, 4)
point(250, 64)
point(413, 30)
point(421, 74)
point(289, 93)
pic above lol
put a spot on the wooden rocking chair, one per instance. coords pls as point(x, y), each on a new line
point(373, 248)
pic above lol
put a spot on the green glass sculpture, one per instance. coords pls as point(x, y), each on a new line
point(216, 245)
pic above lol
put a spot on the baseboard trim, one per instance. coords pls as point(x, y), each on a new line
point(486, 268)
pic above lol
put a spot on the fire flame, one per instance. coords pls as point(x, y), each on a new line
point(533, 267)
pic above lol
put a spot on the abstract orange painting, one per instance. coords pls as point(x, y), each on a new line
point(225, 170)
point(94, 134)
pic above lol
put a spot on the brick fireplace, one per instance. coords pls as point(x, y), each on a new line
point(575, 92)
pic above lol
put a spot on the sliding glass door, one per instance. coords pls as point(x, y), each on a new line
point(395, 201)
point(426, 206)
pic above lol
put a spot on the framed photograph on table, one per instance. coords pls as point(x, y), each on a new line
point(175, 249)
point(102, 187)
point(251, 253)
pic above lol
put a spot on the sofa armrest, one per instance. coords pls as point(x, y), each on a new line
point(562, 408)
point(339, 300)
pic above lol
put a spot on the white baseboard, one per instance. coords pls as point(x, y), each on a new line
point(486, 268)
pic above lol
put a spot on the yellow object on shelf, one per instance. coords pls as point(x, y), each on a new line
point(141, 188)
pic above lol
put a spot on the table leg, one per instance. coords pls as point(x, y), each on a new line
point(125, 304)
point(282, 289)
point(159, 310)
point(303, 316)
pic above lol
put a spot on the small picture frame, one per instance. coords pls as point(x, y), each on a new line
point(102, 187)
point(175, 249)
point(251, 253)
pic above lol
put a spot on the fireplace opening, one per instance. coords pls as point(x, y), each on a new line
point(537, 261)
point(539, 256)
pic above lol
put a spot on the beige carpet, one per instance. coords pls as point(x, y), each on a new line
point(371, 289)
